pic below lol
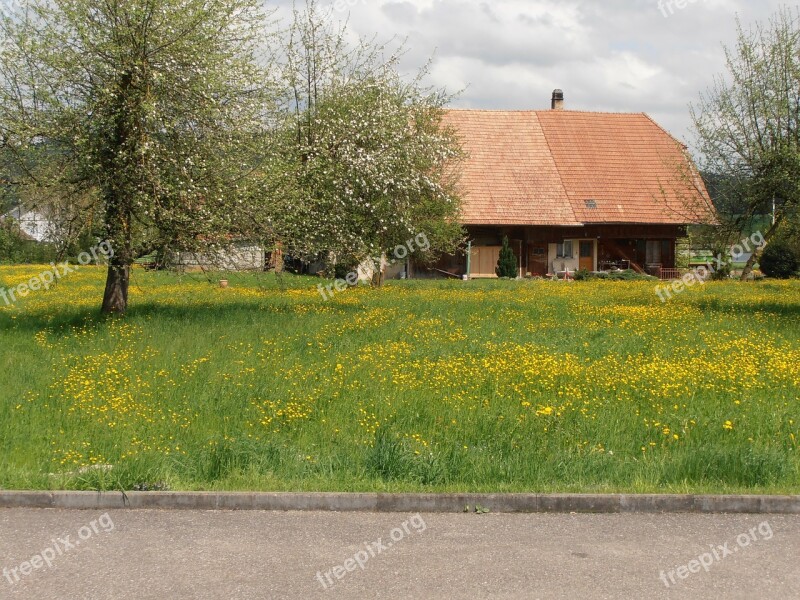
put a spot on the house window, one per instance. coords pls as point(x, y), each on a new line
point(653, 255)
point(564, 249)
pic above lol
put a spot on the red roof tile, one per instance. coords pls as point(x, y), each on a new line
point(569, 168)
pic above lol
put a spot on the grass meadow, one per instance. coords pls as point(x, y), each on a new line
point(418, 386)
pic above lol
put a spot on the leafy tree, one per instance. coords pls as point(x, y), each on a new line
point(154, 111)
point(507, 263)
point(791, 235)
point(748, 125)
point(779, 260)
point(9, 240)
point(371, 164)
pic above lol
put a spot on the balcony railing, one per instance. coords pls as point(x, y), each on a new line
point(669, 274)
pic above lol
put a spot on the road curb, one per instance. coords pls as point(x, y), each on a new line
point(377, 502)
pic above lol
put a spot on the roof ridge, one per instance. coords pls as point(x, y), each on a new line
point(558, 170)
point(590, 112)
point(557, 112)
point(490, 110)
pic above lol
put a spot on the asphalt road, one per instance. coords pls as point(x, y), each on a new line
point(59, 554)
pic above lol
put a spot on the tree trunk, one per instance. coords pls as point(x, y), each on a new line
point(748, 268)
point(115, 298)
point(118, 226)
point(120, 186)
point(379, 273)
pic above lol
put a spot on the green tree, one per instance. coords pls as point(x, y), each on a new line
point(779, 260)
point(9, 240)
point(371, 163)
point(156, 110)
point(748, 125)
point(507, 263)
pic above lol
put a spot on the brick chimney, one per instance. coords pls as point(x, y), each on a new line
point(558, 100)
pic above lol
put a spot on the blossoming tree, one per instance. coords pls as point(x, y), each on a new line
point(157, 109)
point(370, 163)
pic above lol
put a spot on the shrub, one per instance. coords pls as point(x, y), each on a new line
point(16, 249)
point(507, 265)
point(583, 275)
point(779, 260)
point(343, 269)
point(627, 275)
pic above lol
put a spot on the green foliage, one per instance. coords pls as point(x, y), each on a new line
point(507, 263)
point(748, 129)
point(8, 242)
point(582, 275)
point(790, 234)
point(155, 111)
point(626, 275)
point(683, 251)
point(722, 270)
point(15, 249)
point(343, 269)
point(779, 260)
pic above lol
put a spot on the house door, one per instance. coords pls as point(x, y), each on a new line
point(586, 260)
point(653, 253)
point(484, 261)
point(537, 259)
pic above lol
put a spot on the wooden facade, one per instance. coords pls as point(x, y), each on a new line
point(543, 251)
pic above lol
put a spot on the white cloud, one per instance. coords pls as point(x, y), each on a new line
point(609, 55)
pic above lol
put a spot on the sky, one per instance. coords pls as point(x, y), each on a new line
point(607, 55)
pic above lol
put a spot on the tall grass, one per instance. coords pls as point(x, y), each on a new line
point(468, 386)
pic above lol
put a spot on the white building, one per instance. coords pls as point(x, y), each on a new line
point(32, 224)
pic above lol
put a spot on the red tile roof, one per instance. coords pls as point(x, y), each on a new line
point(569, 168)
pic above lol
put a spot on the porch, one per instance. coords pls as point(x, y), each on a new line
point(549, 251)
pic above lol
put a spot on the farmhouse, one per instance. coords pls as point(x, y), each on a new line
point(32, 224)
point(573, 190)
